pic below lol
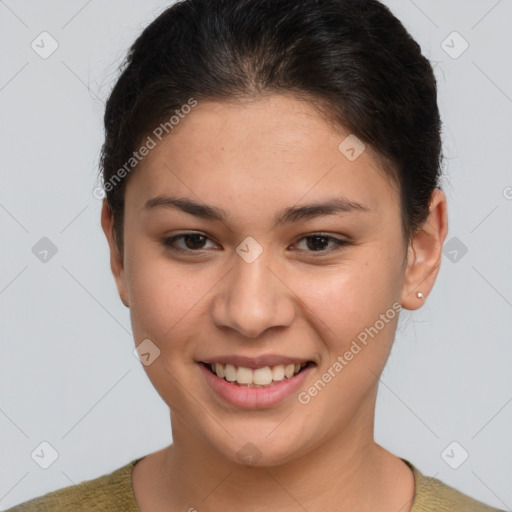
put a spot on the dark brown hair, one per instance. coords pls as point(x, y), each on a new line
point(353, 59)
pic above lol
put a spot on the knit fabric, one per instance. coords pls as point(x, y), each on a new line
point(113, 492)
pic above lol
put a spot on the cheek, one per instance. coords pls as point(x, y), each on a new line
point(352, 294)
point(164, 298)
point(165, 303)
point(352, 309)
point(356, 321)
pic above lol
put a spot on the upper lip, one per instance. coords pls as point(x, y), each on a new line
point(256, 362)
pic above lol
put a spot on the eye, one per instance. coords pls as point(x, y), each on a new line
point(194, 242)
point(316, 241)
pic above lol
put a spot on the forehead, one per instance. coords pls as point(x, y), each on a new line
point(279, 147)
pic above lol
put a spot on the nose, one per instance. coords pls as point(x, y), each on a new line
point(252, 298)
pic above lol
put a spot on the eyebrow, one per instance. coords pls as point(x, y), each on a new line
point(289, 215)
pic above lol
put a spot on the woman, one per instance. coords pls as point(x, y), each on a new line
point(272, 171)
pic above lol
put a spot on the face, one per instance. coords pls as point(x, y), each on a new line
point(263, 280)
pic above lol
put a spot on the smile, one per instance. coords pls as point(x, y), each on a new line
point(265, 376)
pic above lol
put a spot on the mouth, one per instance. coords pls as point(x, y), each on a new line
point(263, 377)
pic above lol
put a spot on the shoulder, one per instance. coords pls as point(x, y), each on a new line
point(433, 495)
point(112, 491)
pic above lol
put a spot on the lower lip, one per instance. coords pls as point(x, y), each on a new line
point(254, 398)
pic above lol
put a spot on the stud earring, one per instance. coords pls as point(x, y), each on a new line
point(419, 295)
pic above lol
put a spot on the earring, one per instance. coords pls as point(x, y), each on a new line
point(419, 295)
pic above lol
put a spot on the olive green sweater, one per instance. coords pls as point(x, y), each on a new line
point(113, 492)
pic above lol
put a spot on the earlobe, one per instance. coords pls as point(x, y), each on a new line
point(425, 254)
point(116, 259)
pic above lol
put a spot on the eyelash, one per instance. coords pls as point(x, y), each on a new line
point(339, 244)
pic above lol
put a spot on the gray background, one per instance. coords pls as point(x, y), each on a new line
point(68, 375)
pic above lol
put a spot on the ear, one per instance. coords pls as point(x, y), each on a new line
point(116, 258)
point(425, 253)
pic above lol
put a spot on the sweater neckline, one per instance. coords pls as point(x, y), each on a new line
point(134, 506)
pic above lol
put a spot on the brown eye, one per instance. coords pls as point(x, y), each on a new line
point(317, 242)
point(192, 242)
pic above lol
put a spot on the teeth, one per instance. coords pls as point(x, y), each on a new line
point(219, 370)
point(277, 373)
point(229, 373)
point(258, 378)
point(289, 370)
point(262, 376)
point(244, 375)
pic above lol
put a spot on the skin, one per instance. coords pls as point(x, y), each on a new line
point(253, 159)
